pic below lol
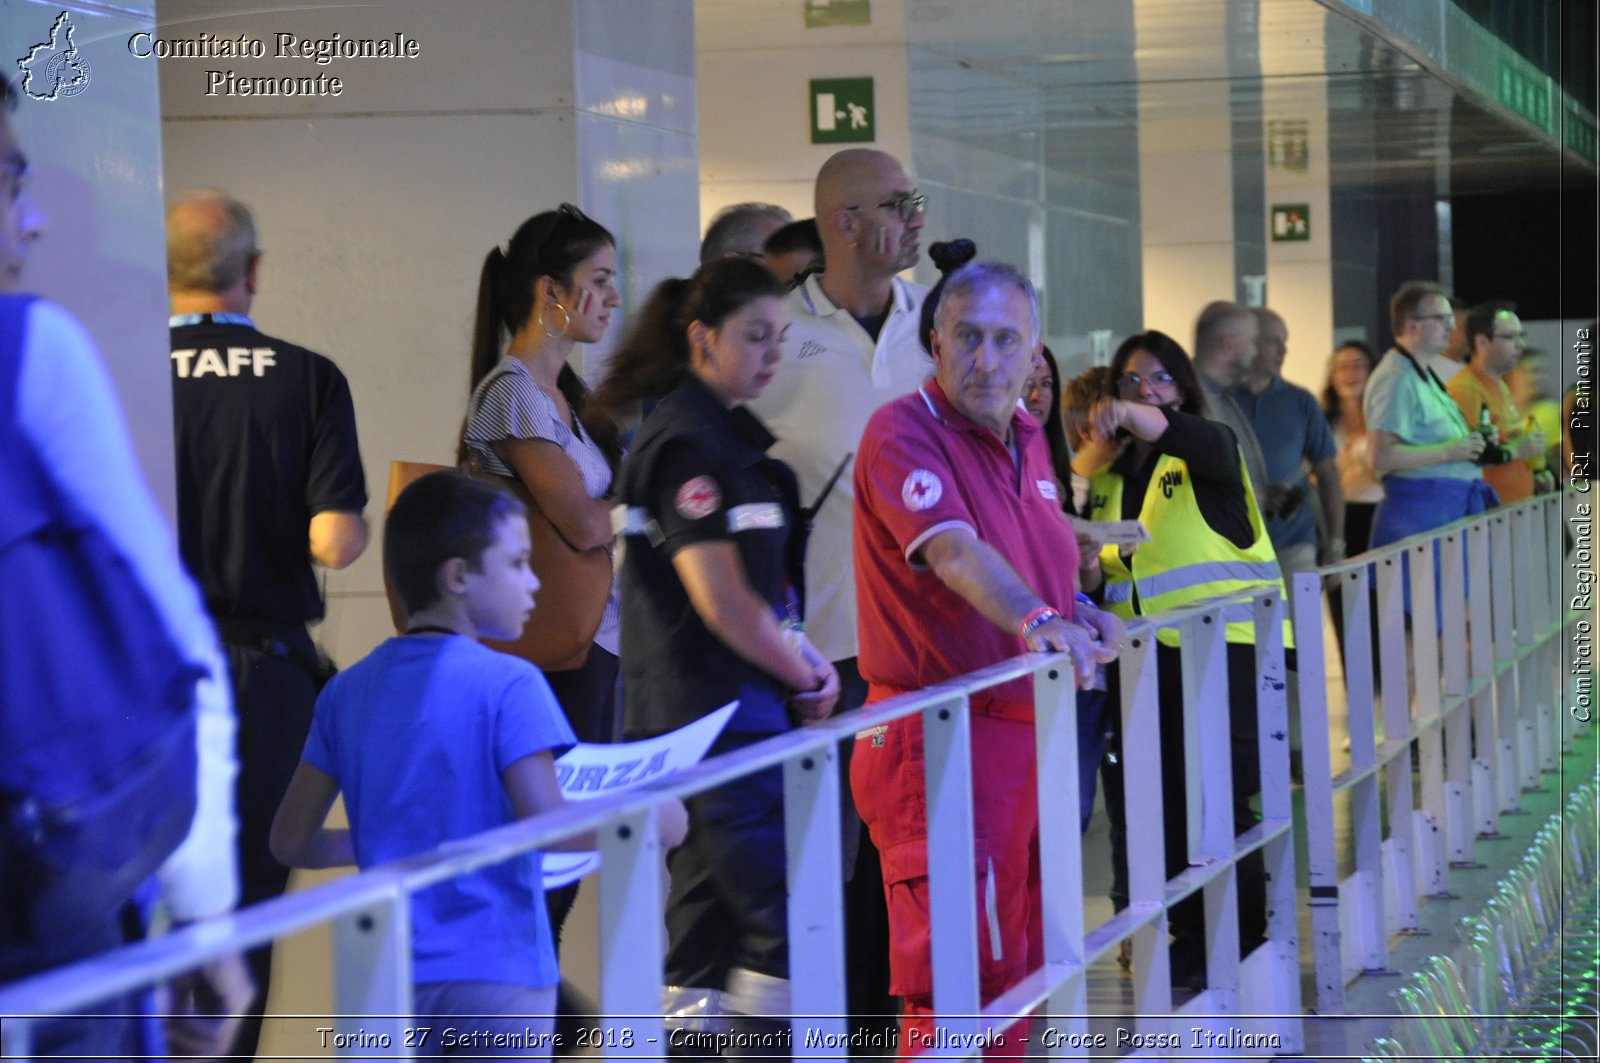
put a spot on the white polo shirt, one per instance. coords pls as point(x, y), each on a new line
point(833, 378)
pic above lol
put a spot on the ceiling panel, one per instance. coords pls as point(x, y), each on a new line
point(1039, 80)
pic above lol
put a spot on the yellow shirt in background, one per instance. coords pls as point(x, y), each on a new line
point(1474, 389)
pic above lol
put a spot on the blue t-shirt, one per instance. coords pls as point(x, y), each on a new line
point(417, 734)
point(1293, 431)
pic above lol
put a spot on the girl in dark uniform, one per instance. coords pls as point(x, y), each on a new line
point(710, 615)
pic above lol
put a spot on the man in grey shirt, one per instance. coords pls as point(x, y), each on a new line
point(1224, 347)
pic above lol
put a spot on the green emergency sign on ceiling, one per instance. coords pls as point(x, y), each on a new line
point(842, 111)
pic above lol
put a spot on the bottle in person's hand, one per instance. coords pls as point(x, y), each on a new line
point(1486, 427)
point(1538, 462)
point(1491, 454)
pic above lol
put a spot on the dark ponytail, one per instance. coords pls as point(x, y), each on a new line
point(654, 357)
point(948, 256)
point(550, 244)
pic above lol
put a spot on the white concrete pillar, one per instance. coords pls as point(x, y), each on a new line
point(1299, 272)
point(1185, 170)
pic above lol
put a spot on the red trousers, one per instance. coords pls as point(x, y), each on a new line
point(887, 779)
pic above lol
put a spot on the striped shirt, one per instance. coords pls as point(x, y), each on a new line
point(508, 404)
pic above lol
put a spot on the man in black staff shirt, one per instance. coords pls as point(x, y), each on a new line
point(269, 483)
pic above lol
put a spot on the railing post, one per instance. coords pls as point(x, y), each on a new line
point(1208, 777)
point(1277, 806)
point(1397, 728)
point(1485, 728)
point(372, 981)
point(816, 896)
point(1144, 818)
point(1366, 813)
point(1208, 755)
point(952, 861)
point(1531, 604)
point(630, 936)
point(1509, 714)
point(1055, 709)
point(1461, 783)
point(1427, 692)
point(1322, 866)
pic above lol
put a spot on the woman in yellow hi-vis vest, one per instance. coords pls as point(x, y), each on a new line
point(1183, 477)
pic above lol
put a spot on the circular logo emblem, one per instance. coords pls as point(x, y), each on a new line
point(921, 489)
point(67, 73)
point(698, 498)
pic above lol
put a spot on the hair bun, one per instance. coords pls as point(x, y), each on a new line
point(951, 255)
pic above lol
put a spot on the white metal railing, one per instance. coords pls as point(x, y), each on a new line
point(371, 932)
point(1475, 688)
point(1475, 684)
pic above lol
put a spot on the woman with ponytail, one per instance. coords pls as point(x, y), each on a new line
point(711, 615)
point(549, 287)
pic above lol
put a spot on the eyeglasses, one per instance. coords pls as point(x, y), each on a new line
point(1129, 383)
point(906, 207)
point(1510, 335)
point(567, 210)
point(1443, 319)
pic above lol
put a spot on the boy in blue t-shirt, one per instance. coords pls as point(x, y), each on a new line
point(433, 737)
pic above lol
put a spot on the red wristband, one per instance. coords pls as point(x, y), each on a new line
point(1035, 620)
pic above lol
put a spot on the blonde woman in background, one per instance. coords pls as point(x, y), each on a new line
point(1348, 369)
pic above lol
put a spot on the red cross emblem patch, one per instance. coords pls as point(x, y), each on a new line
point(698, 498)
point(921, 489)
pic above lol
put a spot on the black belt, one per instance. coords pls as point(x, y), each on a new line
point(289, 643)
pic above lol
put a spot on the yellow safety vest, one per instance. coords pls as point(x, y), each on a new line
point(1185, 559)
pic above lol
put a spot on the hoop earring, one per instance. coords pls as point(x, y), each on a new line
point(566, 323)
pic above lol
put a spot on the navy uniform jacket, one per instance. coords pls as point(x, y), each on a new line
point(699, 472)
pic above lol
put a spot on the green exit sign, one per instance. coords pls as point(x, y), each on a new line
point(1526, 95)
point(1291, 222)
point(842, 111)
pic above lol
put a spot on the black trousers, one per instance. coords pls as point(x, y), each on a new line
point(274, 688)
point(726, 906)
point(1186, 919)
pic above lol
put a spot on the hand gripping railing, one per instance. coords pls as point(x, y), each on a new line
point(369, 912)
point(1471, 678)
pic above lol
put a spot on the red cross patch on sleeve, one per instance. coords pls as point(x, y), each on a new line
point(698, 498)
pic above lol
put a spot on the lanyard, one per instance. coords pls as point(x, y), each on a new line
point(220, 318)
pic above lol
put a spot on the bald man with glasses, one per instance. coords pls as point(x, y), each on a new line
point(851, 347)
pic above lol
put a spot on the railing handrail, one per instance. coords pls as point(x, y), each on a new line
point(143, 963)
point(1422, 538)
point(97, 978)
point(134, 966)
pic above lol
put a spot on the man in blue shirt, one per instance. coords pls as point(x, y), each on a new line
point(1294, 434)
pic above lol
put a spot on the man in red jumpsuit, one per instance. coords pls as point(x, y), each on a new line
point(963, 559)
